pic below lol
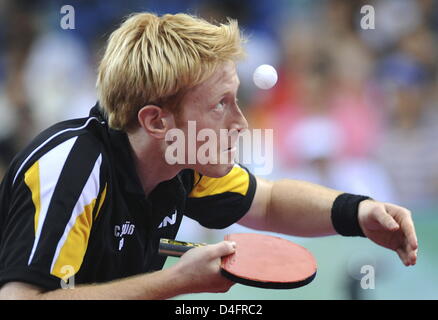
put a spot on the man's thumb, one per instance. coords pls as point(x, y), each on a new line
point(225, 248)
point(387, 221)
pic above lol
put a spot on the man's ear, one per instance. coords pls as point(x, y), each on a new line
point(155, 121)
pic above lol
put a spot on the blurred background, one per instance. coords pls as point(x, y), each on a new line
point(354, 109)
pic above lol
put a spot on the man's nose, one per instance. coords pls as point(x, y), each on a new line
point(239, 121)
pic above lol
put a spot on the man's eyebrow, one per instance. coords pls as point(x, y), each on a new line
point(226, 92)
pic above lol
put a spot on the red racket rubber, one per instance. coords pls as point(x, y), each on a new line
point(268, 262)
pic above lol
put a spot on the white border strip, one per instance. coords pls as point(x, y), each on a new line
point(47, 141)
point(88, 194)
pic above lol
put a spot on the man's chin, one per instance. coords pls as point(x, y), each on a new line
point(216, 171)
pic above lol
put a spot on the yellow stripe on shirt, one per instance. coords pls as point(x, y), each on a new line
point(32, 180)
point(237, 181)
point(102, 200)
point(73, 251)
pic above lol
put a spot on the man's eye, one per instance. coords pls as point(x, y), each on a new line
point(220, 106)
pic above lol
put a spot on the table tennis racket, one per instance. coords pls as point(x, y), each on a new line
point(259, 260)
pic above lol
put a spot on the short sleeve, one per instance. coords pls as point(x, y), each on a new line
point(50, 208)
point(217, 203)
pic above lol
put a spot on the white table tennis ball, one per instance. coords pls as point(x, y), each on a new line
point(265, 76)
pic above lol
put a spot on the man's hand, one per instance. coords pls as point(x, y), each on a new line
point(199, 268)
point(390, 226)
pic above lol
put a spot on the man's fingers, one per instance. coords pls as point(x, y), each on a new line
point(409, 232)
point(408, 243)
point(411, 239)
point(408, 257)
point(387, 221)
point(402, 256)
point(406, 224)
point(223, 248)
point(411, 253)
point(413, 257)
point(407, 253)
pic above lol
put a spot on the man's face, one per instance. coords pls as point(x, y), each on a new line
point(212, 107)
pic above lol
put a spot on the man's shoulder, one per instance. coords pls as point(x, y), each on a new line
point(84, 136)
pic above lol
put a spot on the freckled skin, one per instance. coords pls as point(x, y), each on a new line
point(200, 105)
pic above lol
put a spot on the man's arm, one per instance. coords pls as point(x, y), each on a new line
point(158, 285)
point(304, 209)
point(291, 207)
point(197, 271)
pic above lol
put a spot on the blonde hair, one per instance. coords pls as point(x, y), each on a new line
point(154, 60)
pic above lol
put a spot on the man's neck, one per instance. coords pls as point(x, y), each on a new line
point(151, 166)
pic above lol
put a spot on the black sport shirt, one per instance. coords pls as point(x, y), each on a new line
point(71, 203)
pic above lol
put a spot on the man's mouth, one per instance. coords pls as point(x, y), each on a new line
point(230, 149)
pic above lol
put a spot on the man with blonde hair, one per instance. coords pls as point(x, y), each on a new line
point(85, 204)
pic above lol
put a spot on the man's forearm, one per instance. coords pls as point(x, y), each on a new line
point(198, 270)
point(162, 284)
point(300, 208)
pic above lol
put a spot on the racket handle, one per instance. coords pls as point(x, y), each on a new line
point(175, 248)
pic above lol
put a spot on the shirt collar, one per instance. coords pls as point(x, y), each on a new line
point(126, 170)
point(120, 150)
point(124, 162)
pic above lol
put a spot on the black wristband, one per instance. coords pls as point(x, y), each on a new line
point(344, 214)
